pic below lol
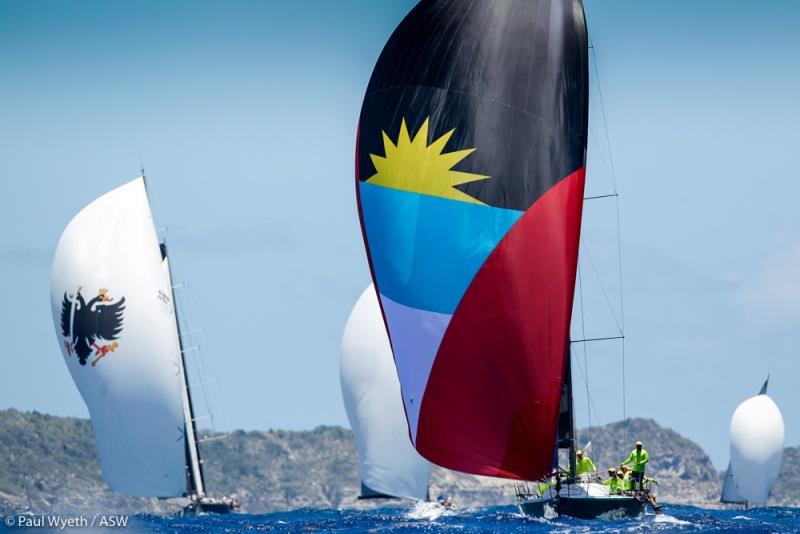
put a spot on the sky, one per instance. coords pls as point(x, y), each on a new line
point(244, 117)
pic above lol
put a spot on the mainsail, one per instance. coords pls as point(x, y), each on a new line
point(730, 493)
point(112, 302)
point(390, 467)
point(756, 435)
point(470, 175)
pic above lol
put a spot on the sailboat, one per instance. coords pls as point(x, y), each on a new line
point(756, 436)
point(470, 170)
point(114, 314)
point(390, 467)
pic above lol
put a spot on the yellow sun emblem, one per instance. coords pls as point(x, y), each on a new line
point(413, 165)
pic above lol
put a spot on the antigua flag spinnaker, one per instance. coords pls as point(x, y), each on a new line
point(470, 174)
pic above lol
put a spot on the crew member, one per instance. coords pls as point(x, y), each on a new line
point(638, 458)
point(651, 496)
point(544, 485)
point(623, 483)
point(626, 477)
point(583, 464)
point(612, 481)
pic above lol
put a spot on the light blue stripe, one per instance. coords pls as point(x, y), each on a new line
point(426, 250)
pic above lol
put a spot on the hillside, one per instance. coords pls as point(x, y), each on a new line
point(786, 491)
point(54, 459)
point(685, 474)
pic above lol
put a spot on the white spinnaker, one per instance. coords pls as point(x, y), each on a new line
point(135, 393)
point(757, 434)
point(371, 393)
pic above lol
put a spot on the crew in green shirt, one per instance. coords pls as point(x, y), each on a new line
point(543, 486)
point(626, 477)
point(612, 481)
point(639, 459)
point(583, 464)
point(623, 483)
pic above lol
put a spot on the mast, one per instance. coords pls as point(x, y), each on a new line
point(195, 485)
point(195, 478)
point(566, 416)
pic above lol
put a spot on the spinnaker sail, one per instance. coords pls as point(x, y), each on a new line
point(756, 435)
point(113, 309)
point(390, 467)
point(470, 170)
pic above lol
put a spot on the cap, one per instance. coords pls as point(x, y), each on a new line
point(638, 443)
point(579, 453)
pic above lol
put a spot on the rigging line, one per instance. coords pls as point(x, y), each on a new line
point(624, 400)
point(188, 319)
point(593, 54)
point(585, 351)
point(622, 320)
point(589, 339)
point(602, 287)
point(600, 196)
point(591, 400)
point(603, 111)
point(186, 316)
point(199, 368)
point(619, 261)
point(602, 159)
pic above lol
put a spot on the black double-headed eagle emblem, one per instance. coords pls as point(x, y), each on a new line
point(85, 323)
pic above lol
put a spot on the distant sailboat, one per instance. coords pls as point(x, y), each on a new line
point(115, 319)
point(756, 435)
point(390, 467)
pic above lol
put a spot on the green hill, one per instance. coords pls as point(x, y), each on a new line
point(685, 474)
point(786, 491)
point(50, 462)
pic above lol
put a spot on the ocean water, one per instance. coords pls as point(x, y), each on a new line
point(503, 519)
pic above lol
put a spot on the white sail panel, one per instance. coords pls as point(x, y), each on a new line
point(130, 379)
point(757, 435)
point(730, 493)
point(371, 392)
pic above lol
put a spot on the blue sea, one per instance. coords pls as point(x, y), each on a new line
point(496, 519)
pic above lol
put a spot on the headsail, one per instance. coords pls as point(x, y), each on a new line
point(470, 172)
point(390, 467)
point(763, 390)
point(131, 376)
point(730, 493)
